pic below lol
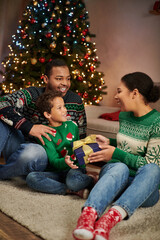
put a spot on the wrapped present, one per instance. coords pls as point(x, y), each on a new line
point(84, 147)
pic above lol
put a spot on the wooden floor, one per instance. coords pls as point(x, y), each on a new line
point(11, 230)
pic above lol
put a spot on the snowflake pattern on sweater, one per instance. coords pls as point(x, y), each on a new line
point(138, 140)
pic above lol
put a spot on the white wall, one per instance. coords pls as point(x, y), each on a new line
point(127, 40)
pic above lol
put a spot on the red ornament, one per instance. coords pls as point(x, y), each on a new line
point(32, 21)
point(46, 4)
point(83, 39)
point(50, 60)
point(85, 95)
point(67, 27)
point(84, 32)
point(80, 94)
point(52, 1)
point(64, 50)
point(94, 98)
point(42, 59)
point(86, 56)
point(48, 35)
point(80, 78)
point(23, 34)
point(59, 20)
point(80, 63)
point(91, 68)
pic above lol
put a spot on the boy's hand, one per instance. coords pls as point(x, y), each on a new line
point(70, 163)
point(39, 130)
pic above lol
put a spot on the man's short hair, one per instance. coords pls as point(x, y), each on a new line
point(57, 62)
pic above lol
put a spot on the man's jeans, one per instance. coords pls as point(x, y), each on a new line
point(129, 193)
point(58, 183)
point(21, 158)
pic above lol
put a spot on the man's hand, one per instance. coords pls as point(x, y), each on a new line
point(103, 155)
point(70, 163)
point(39, 130)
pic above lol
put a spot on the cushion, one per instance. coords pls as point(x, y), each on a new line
point(110, 116)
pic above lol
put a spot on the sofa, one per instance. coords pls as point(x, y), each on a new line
point(107, 128)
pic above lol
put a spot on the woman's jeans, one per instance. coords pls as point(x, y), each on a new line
point(116, 187)
point(58, 183)
point(21, 158)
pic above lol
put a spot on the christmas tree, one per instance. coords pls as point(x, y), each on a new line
point(49, 29)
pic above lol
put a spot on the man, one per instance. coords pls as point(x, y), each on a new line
point(21, 122)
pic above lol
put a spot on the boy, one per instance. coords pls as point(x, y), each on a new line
point(62, 175)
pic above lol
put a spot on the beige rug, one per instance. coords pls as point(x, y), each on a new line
point(54, 217)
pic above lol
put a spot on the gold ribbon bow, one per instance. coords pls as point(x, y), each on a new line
point(86, 148)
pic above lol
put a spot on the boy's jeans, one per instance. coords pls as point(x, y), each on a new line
point(58, 183)
point(129, 193)
point(21, 158)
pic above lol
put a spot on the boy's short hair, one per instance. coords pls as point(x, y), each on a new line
point(57, 62)
point(44, 102)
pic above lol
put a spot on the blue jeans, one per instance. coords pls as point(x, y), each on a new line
point(116, 187)
point(58, 183)
point(21, 158)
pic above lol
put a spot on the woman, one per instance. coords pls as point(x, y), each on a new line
point(131, 177)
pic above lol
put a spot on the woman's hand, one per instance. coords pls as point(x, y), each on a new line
point(70, 163)
point(102, 140)
point(103, 155)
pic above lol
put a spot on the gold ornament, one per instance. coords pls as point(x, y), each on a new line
point(33, 61)
point(53, 45)
point(88, 39)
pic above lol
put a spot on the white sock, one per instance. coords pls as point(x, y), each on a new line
point(98, 237)
point(121, 211)
point(83, 234)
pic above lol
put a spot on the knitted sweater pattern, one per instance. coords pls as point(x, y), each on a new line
point(60, 145)
point(138, 140)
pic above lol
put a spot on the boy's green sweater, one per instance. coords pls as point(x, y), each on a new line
point(60, 146)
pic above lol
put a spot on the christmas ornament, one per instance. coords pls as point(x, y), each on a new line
point(91, 68)
point(59, 20)
point(43, 25)
point(33, 61)
point(48, 35)
point(67, 27)
point(53, 45)
point(80, 63)
point(85, 95)
point(42, 59)
point(88, 39)
point(32, 21)
point(80, 78)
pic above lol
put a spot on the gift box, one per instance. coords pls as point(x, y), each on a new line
point(84, 147)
